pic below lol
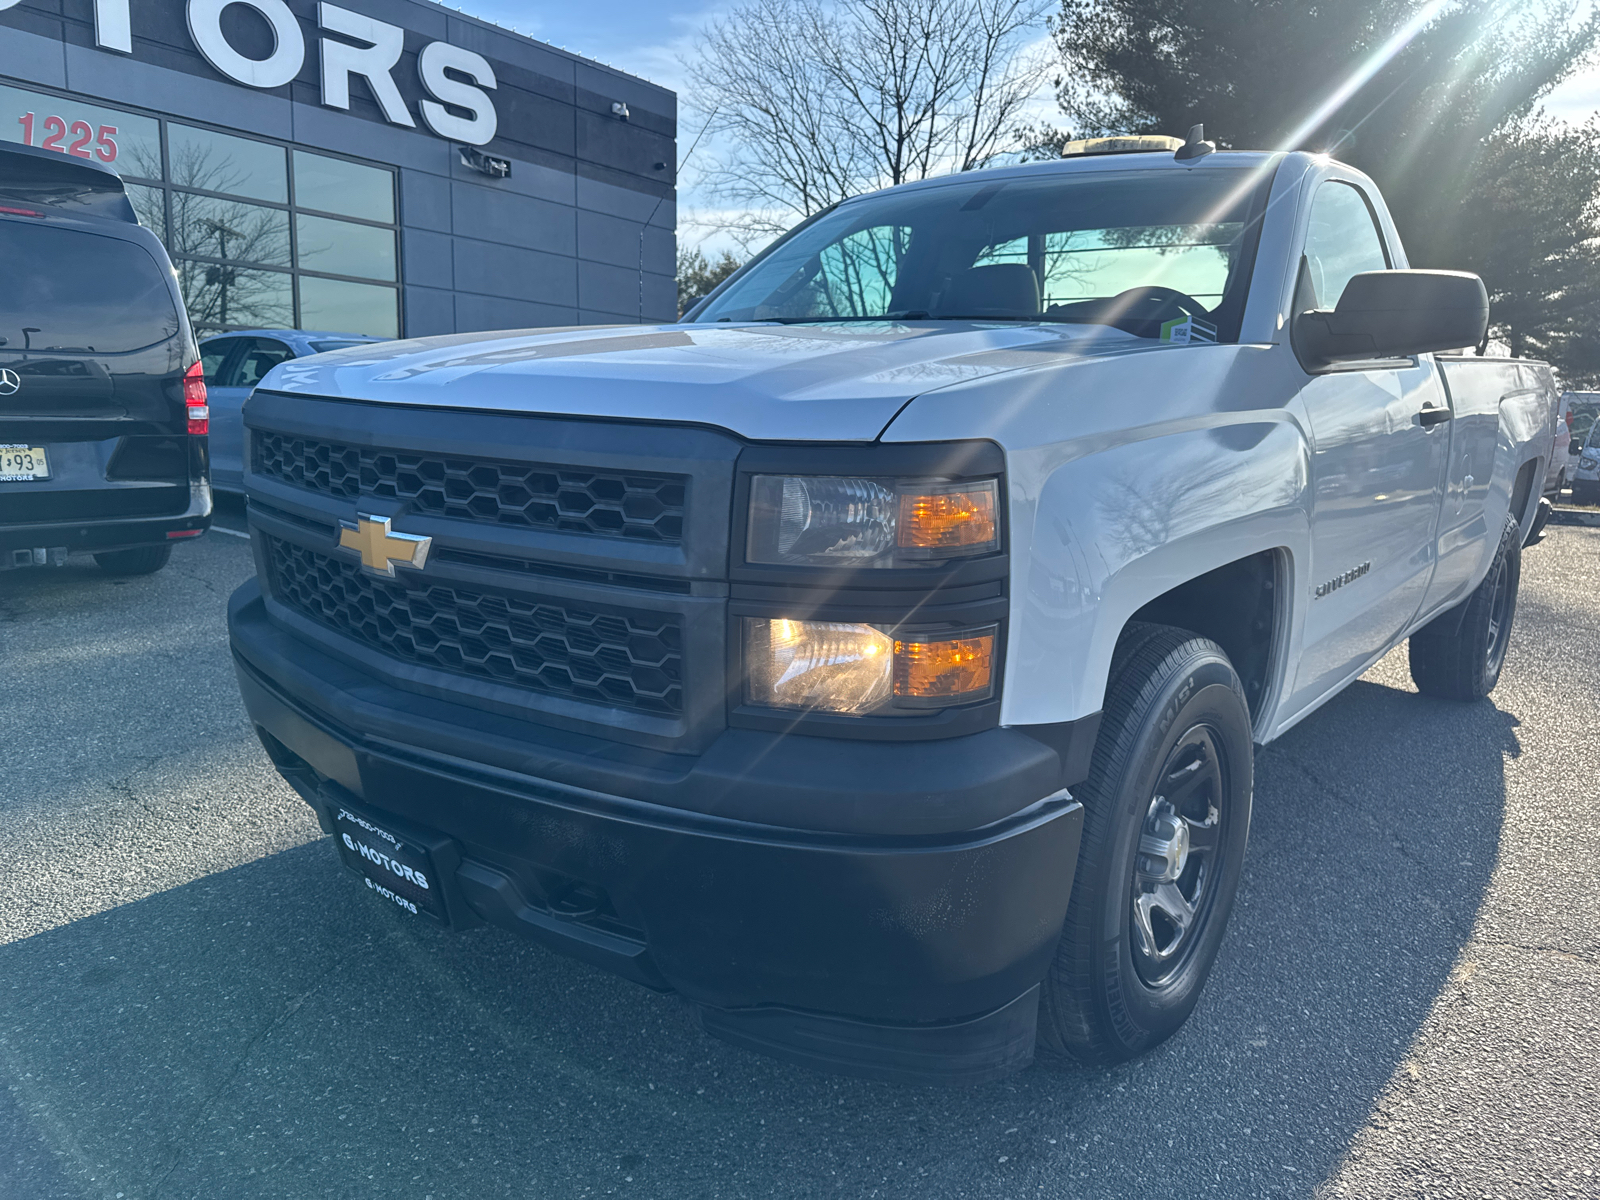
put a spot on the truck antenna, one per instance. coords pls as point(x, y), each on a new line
point(657, 208)
point(1195, 145)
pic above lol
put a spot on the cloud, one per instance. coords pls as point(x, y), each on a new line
point(1577, 99)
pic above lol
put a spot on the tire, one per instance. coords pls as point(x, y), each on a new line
point(1458, 655)
point(145, 560)
point(1174, 750)
point(1541, 518)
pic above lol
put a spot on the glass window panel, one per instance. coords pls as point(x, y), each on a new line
point(69, 290)
point(854, 276)
point(229, 229)
point(1118, 248)
point(340, 248)
point(217, 162)
point(1341, 242)
point(333, 304)
point(212, 356)
point(260, 357)
point(128, 143)
point(336, 186)
point(1085, 264)
point(229, 297)
point(150, 205)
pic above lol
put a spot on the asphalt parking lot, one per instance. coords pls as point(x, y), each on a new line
point(197, 1000)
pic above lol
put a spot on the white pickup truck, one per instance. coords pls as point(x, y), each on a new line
point(876, 657)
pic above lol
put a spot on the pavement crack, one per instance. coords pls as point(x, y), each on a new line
point(1589, 958)
point(293, 1006)
point(200, 579)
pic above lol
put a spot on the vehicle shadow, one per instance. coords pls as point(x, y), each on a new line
point(272, 1030)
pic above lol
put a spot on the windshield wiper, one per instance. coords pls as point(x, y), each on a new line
point(920, 315)
point(909, 315)
point(1034, 320)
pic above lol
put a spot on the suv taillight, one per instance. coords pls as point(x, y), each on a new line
point(194, 399)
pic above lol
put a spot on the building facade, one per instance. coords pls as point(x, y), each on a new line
point(392, 167)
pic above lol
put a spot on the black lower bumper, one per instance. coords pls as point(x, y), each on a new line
point(904, 957)
point(101, 533)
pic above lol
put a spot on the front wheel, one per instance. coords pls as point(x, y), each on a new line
point(1166, 817)
point(1458, 655)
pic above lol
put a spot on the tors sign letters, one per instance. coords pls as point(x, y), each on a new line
point(363, 46)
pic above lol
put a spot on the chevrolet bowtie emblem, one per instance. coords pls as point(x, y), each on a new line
point(380, 549)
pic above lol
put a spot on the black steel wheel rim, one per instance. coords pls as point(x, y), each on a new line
point(1499, 616)
point(1178, 863)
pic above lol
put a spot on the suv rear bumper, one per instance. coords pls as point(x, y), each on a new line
point(900, 956)
point(106, 533)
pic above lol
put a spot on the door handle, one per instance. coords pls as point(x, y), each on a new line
point(1433, 414)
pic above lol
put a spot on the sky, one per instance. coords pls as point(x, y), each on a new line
point(635, 36)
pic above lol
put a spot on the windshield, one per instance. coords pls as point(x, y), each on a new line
point(1158, 254)
point(68, 291)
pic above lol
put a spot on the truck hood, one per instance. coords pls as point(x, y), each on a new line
point(761, 381)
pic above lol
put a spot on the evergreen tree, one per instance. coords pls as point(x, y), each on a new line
point(697, 276)
point(1436, 101)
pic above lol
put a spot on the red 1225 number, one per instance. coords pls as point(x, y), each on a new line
point(56, 130)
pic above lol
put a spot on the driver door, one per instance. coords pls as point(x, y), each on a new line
point(1376, 469)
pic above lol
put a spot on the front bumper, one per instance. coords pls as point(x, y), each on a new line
point(907, 956)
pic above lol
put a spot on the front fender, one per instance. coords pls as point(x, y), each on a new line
point(1128, 476)
point(1113, 531)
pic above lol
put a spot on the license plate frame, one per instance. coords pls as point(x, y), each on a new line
point(15, 455)
point(401, 866)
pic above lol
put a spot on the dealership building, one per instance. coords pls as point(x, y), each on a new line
point(392, 167)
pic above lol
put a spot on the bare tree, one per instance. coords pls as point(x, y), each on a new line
point(812, 103)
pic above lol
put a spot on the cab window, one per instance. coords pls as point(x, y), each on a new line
point(214, 357)
point(259, 357)
point(1342, 241)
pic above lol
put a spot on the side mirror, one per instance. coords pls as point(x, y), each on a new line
point(1393, 314)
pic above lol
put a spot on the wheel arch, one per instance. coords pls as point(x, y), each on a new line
point(1243, 606)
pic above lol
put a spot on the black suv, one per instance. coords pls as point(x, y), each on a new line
point(103, 415)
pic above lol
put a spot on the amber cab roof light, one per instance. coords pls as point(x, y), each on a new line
point(1183, 149)
point(1149, 144)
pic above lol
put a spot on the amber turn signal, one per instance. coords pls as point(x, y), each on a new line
point(944, 670)
point(959, 517)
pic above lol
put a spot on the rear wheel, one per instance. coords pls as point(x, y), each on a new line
point(143, 561)
point(1541, 518)
point(1166, 817)
point(1458, 655)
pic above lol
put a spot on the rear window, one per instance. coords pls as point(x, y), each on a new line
point(67, 291)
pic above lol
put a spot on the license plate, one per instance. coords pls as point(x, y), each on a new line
point(395, 868)
point(23, 462)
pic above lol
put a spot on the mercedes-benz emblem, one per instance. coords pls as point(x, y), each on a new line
point(10, 382)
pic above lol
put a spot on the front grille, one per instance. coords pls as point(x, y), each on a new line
point(646, 507)
point(625, 659)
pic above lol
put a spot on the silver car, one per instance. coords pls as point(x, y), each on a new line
point(234, 363)
point(1586, 474)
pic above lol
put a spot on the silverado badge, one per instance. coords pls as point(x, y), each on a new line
point(1323, 589)
point(379, 548)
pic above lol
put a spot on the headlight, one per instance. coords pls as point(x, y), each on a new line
point(831, 666)
point(828, 520)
